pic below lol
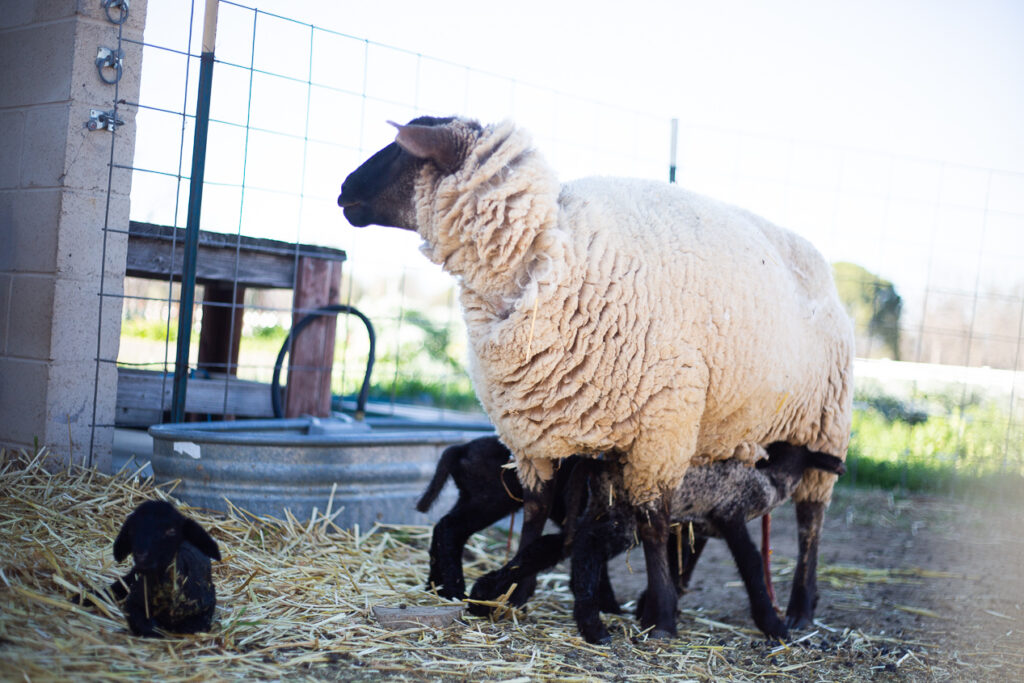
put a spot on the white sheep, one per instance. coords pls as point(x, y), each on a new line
point(621, 315)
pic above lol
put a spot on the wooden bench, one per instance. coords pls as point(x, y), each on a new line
point(226, 266)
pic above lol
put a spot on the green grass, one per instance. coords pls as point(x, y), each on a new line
point(947, 448)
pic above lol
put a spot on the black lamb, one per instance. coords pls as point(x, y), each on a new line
point(717, 500)
point(170, 587)
point(488, 492)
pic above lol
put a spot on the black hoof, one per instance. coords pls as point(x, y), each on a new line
point(774, 628)
point(596, 634)
point(661, 634)
point(478, 610)
point(799, 621)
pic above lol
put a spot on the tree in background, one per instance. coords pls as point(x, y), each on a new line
point(875, 308)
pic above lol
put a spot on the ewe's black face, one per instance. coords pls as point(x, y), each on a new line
point(381, 191)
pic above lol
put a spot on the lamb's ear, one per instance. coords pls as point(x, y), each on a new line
point(123, 542)
point(439, 144)
point(197, 536)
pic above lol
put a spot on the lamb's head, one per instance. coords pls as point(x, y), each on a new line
point(382, 190)
point(786, 463)
point(154, 531)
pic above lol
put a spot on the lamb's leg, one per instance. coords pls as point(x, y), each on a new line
point(594, 544)
point(117, 590)
point(681, 572)
point(659, 609)
point(748, 561)
point(536, 508)
point(449, 539)
point(137, 613)
point(803, 598)
point(606, 594)
point(542, 554)
point(690, 557)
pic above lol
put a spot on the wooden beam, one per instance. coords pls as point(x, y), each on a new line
point(144, 395)
point(157, 251)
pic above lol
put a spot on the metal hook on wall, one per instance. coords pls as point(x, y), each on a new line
point(107, 58)
point(119, 4)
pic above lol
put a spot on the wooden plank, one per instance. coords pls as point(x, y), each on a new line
point(143, 396)
point(402, 617)
point(311, 358)
point(155, 251)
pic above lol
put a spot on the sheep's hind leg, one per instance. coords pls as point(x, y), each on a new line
point(803, 598)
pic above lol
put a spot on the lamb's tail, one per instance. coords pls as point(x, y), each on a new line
point(441, 474)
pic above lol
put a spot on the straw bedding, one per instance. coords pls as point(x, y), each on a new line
point(295, 602)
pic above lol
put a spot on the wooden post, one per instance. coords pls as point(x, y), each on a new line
point(317, 283)
point(216, 331)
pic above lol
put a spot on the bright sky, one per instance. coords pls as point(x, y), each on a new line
point(823, 116)
point(938, 79)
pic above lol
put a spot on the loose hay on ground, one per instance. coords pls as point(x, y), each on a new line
point(295, 600)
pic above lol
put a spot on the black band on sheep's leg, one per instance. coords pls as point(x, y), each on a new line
point(804, 595)
point(660, 603)
point(748, 561)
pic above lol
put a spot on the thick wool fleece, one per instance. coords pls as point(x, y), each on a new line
point(611, 314)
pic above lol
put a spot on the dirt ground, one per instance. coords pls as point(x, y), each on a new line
point(940, 579)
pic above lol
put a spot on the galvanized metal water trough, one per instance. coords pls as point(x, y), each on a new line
point(377, 468)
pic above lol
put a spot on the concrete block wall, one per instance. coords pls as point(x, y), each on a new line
point(54, 204)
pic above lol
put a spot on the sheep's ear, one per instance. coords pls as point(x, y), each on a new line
point(123, 542)
point(197, 536)
point(435, 143)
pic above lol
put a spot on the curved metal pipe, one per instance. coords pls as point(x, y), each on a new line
point(332, 309)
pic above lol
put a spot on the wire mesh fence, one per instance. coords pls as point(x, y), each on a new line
point(929, 256)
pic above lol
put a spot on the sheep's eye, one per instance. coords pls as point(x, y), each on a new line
point(171, 532)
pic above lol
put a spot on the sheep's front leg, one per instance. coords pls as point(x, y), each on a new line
point(803, 598)
point(659, 608)
point(748, 561)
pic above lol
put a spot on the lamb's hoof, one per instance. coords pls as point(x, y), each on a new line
point(479, 610)
point(661, 634)
point(774, 628)
point(799, 621)
point(444, 592)
point(596, 634)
